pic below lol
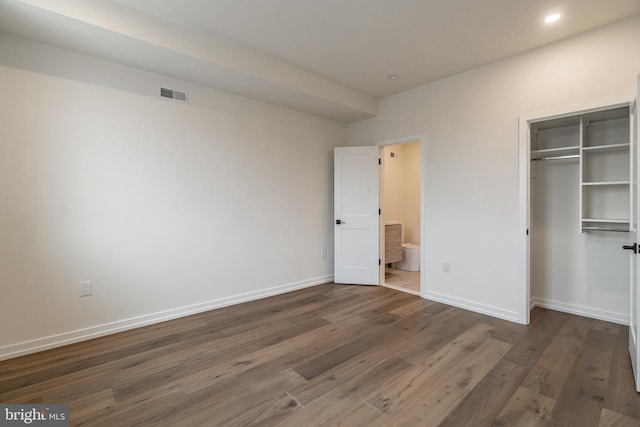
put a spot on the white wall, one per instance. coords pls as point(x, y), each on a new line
point(168, 208)
point(402, 188)
point(471, 124)
point(586, 273)
point(412, 192)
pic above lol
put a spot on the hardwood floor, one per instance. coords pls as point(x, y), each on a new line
point(340, 355)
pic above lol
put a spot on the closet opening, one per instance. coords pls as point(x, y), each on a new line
point(401, 219)
point(579, 211)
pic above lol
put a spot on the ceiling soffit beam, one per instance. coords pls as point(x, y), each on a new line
point(111, 31)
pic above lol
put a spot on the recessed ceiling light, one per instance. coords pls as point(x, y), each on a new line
point(552, 18)
point(393, 77)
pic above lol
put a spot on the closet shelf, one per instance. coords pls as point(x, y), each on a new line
point(607, 116)
point(599, 141)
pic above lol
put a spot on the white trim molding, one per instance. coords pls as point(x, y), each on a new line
point(593, 313)
point(70, 337)
point(489, 310)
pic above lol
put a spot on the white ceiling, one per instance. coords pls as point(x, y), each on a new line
point(328, 57)
point(359, 43)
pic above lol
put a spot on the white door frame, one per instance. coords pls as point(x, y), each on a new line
point(524, 191)
point(423, 205)
point(634, 349)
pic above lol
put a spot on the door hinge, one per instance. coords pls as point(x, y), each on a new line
point(379, 261)
point(379, 161)
point(527, 231)
point(379, 211)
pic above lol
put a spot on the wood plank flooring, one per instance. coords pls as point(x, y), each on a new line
point(344, 356)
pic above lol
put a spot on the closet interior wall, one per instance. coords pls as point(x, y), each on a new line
point(573, 269)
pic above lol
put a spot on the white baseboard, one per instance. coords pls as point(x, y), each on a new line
point(489, 310)
point(58, 340)
point(593, 313)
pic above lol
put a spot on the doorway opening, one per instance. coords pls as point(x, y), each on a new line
point(400, 194)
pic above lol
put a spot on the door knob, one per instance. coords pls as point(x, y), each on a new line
point(339, 221)
point(633, 248)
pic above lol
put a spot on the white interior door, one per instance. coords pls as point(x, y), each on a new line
point(357, 215)
point(634, 285)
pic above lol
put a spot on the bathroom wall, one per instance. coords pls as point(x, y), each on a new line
point(411, 172)
point(401, 197)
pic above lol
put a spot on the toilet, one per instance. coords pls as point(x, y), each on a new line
point(410, 258)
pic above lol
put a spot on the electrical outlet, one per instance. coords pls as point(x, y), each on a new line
point(85, 289)
point(324, 253)
point(446, 267)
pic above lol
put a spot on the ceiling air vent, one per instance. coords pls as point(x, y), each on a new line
point(176, 95)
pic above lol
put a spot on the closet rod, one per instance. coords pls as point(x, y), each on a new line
point(570, 156)
point(556, 128)
point(604, 229)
